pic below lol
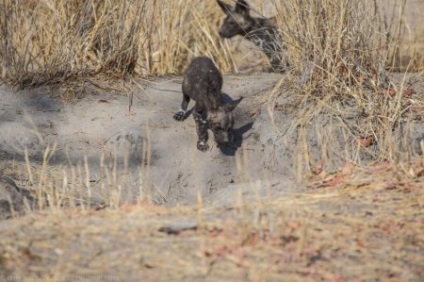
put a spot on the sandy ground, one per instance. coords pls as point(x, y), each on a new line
point(144, 152)
point(145, 149)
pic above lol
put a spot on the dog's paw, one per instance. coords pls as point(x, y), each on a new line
point(202, 146)
point(180, 115)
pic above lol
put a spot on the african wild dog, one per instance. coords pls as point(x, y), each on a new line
point(203, 83)
point(261, 31)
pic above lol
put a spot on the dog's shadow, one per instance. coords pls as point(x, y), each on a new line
point(231, 148)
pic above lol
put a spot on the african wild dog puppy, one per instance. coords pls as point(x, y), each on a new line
point(203, 83)
point(261, 31)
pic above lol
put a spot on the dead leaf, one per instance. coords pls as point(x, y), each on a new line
point(409, 92)
point(336, 278)
point(337, 180)
point(254, 113)
point(331, 181)
point(278, 106)
point(407, 187)
point(288, 239)
point(251, 239)
point(293, 225)
point(215, 232)
point(347, 169)
point(317, 169)
point(323, 174)
point(389, 91)
point(418, 170)
point(361, 243)
point(365, 141)
point(390, 226)
point(381, 167)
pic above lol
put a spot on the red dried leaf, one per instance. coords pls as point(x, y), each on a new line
point(407, 187)
point(293, 225)
point(361, 243)
point(219, 250)
point(323, 174)
point(389, 91)
point(347, 169)
point(365, 141)
point(215, 233)
point(331, 181)
point(409, 92)
point(383, 166)
point(336, 278)
point(251, 240)
point(337, 180)
point(391, 226)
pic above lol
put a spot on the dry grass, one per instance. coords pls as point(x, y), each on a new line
point(341, 55)
point(337, 46)
point(356, 225)
point(180, 30)
point(51, 42)
point(409, 31)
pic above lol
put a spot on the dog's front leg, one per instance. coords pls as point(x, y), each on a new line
point(202, 131)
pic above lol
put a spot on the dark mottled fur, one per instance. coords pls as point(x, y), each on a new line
point(203, 83)
point(261, 31)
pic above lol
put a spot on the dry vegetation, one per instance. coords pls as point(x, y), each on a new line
point(341, 52)
point(360, 224)
point(46, 42)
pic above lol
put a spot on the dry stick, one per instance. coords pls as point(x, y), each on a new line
point(87, 180)
point(147, 162)
point(201, 232)
point(28, 166)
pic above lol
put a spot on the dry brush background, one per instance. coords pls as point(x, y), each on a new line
point(58, 40)
point(362, 219)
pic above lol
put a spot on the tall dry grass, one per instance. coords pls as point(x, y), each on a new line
point(177, 31)
point(336, 43)
point(50, 42)
point(408, 52)
point(54, 41)
point(342, 54)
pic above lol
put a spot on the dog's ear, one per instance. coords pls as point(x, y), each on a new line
point(233, 104)
point(242, 7)
point(227, 9)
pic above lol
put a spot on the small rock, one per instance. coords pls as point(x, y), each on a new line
point(176, 227)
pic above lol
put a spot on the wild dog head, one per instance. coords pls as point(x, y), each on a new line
point(221, 122)
point(238, 20)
